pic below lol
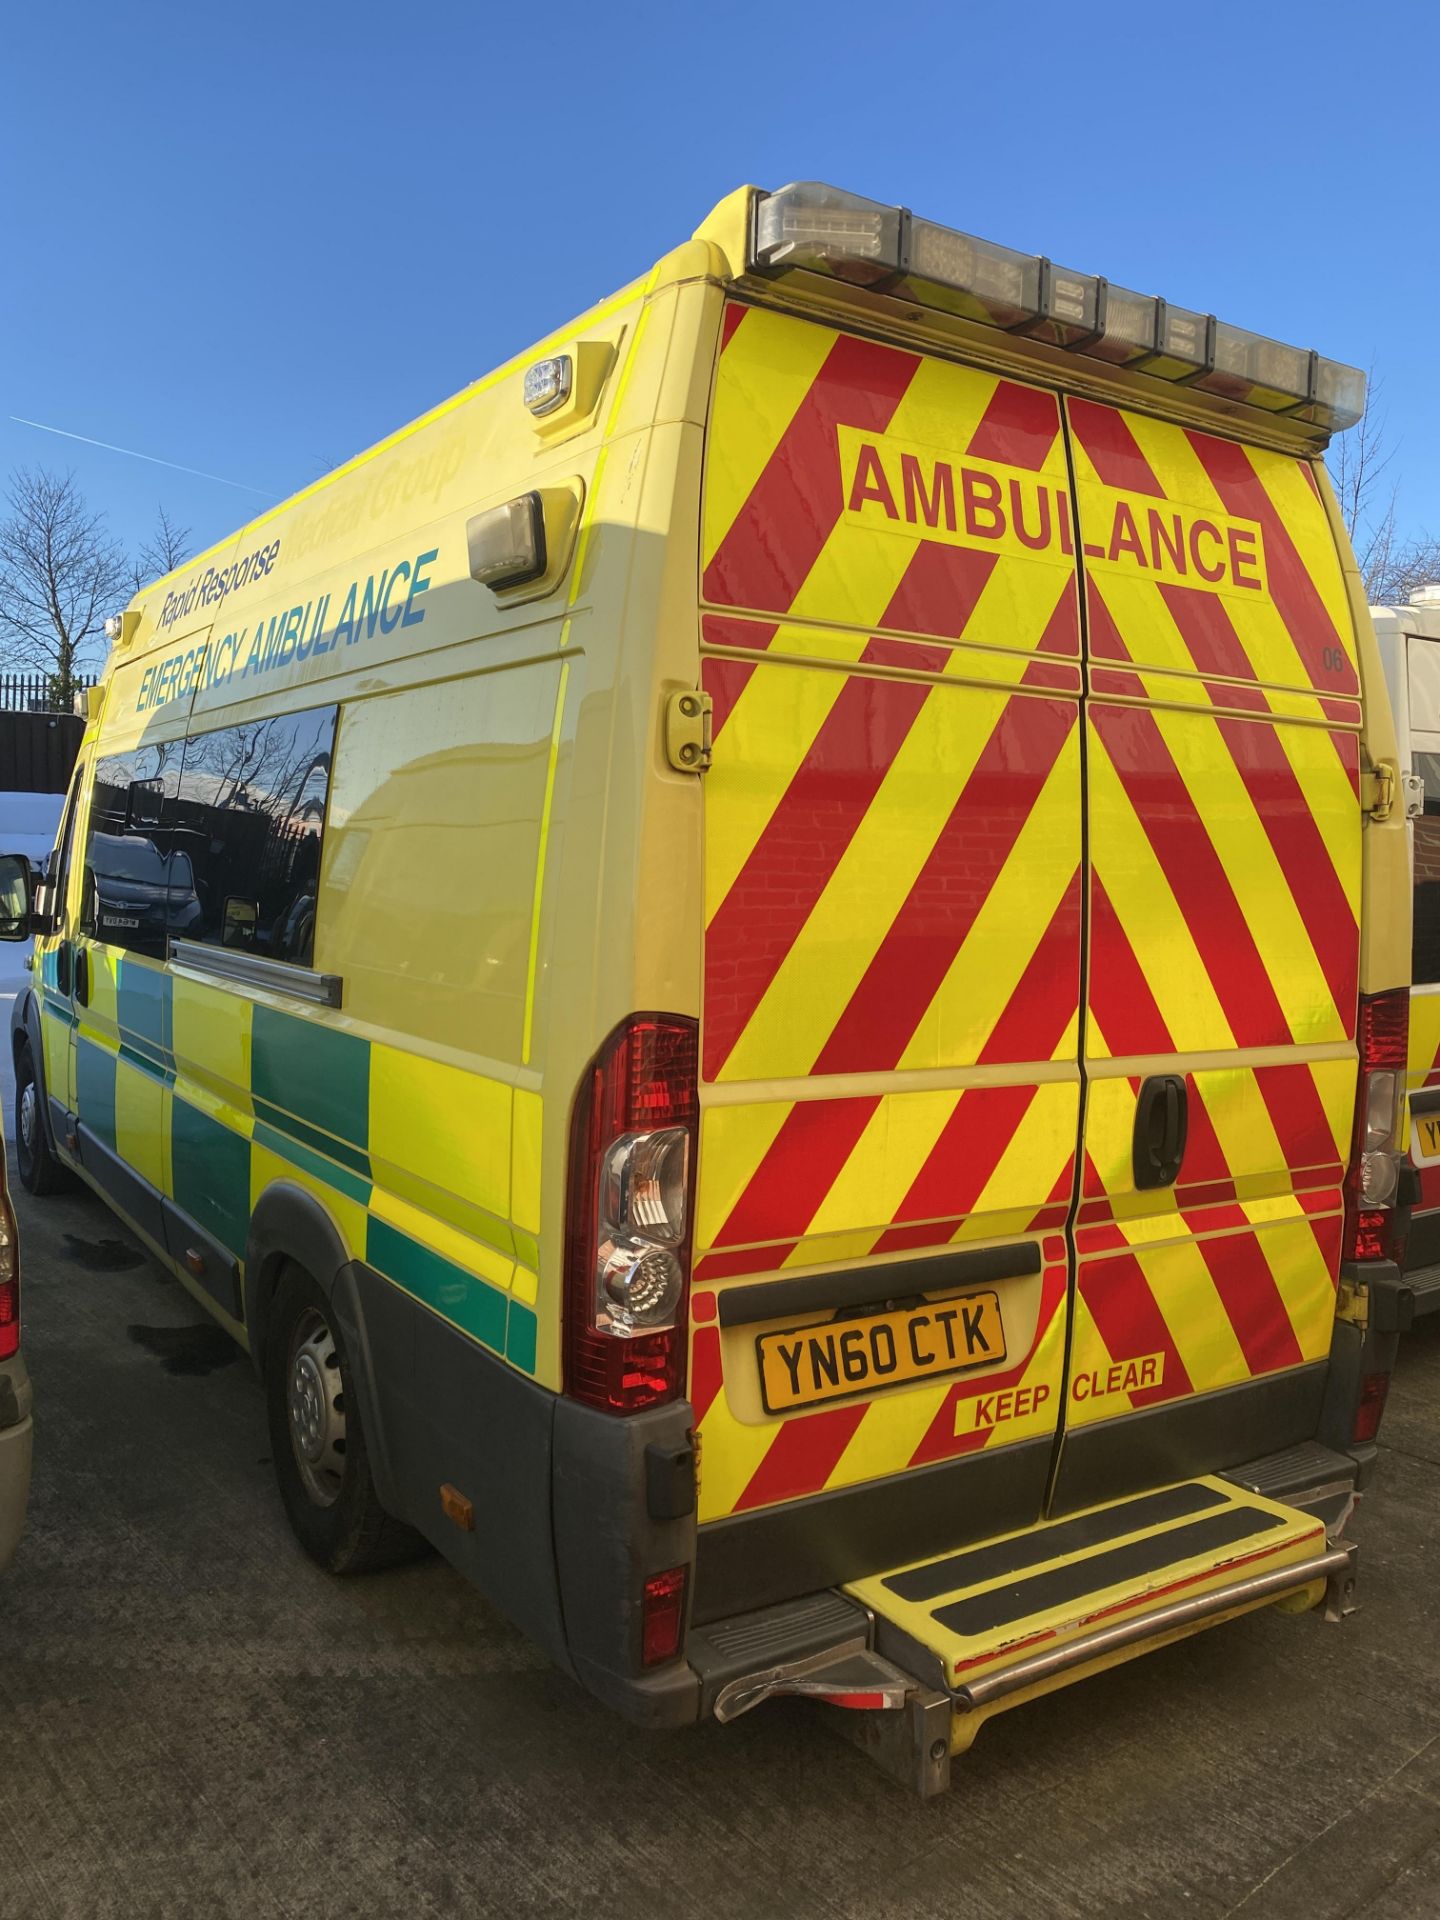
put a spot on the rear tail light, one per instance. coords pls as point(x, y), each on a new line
point(9, 1280)
point(663, 1616)
point(1372, 1230)
point(628, 1232)
point(1373, 1389)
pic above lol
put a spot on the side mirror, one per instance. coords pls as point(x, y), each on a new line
point(17, 881)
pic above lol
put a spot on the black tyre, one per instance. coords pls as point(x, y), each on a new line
point(40, 1172)
point(317, 1442)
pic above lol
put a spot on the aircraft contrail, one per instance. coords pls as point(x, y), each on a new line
point(154, 459)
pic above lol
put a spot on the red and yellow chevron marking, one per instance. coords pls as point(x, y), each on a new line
point(1206, 557)
point(1224, 696)
point(858, 485)
point(1231, 1273)
point(892, 867)
point(1226, 885)
point(1224, 909)
point(1255, 1133)
point(1182, 1303)
point(863, 898)
point(890, 1032)
point(800, 1182)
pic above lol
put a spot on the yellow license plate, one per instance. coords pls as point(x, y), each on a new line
point(1427, 1131)
point(833, 1358)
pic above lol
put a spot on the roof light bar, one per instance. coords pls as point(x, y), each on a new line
point(972, 278)
point(829, 232)
point(823, 230)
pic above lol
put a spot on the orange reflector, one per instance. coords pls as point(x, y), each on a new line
point(457, 1508)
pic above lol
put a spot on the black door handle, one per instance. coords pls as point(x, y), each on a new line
point(1162, 1119)
point(82, 976)
point(62, 968)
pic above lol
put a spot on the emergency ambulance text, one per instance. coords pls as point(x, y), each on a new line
point(386, 600)
point(903, 488)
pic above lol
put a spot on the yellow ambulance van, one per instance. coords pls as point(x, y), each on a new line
point(764, 966)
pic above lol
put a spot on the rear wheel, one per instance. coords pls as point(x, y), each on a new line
point(40, 1172)
point(317, 1441)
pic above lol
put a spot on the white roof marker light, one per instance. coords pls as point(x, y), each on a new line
point(548, 383)
point(823, 230)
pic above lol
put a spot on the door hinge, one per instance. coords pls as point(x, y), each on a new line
point(1377, 791)
point(687, 730)
point(1352, 1304)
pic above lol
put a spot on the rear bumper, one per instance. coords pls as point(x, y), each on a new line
point(891, 1696)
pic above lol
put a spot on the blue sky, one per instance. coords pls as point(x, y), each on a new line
point(252, 241)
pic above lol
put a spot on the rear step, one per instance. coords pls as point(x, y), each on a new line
point(940, 1646)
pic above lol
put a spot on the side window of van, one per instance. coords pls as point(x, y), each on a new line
point(1426, 958)
point(135, 895)
point(248, 822)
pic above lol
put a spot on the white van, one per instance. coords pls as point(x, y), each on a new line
point(1409, 639)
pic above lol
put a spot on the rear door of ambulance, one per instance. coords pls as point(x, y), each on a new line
point(1222, 765)
point(934, 1038)
point(892, 961)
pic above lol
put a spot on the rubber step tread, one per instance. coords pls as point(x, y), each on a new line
point(978, 1565)
point(1001, 1607)
point(1424, 1283)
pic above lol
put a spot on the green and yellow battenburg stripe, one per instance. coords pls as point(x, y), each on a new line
point(213, 1096)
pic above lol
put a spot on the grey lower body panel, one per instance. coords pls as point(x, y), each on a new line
point(451, 1413)
point(119, 1183)
point(213, 1266)
point(1207, 1434)
point(616, 1524)
point(756, 1560)
point(565, 1498)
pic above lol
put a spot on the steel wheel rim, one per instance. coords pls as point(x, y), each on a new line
point(27, 1121)
point(315, 1409)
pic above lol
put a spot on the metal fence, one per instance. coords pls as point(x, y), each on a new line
point(36, 692)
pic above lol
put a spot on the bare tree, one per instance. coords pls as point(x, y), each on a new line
point(61, 574)
point(1358, 462)
point(168, 547)
point(1392, 565)
point(1408, 564)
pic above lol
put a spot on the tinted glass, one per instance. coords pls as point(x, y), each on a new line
point(130, 899)
point(247, 822)
point(57, 866)
point(1426, 958)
